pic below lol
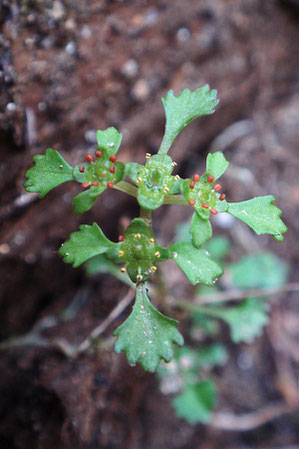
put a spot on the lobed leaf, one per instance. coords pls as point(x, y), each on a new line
point(84, 244)
point(109, 140)
point(49, 171)
point(184, 108)
point(196, 402)
point(260, 215)
point(216, 164)
point(147, 336)
point(195, 263)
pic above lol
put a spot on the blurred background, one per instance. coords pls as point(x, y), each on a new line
point(68, 68)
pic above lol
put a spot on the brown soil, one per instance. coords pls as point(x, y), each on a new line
point(67, 69)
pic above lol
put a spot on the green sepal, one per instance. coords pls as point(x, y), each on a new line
point(176, 186)
point(200, 230)
point(196, 402)
point(109, 140)
point(184, 108)
point(147, 336)
point(112, 253)
point(260, 215)
point(84, 244)
point(85, 200)
point(216, 164)
point(221, 206)
point(49, 171)
point(138, 225)
point(132, 170)
point(195, 263)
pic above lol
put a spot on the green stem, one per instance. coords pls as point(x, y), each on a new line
point(127, 188)
point(196, 308)
point(175, 199)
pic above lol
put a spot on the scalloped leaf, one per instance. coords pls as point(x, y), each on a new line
point(196, 402)
point(246, 320)
point(184, 108)
point(200, 230)
point(216, 164)
point(84, 244)
point(147, 336)
point(109, 140)
point(50, 170)
point(195, 263)
point(260, 215)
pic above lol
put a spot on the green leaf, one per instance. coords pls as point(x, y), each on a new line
point(260, 215)
point(205, 357)
point(88, 242)
point(184, 108)
point(196, 263)
point(218, 247)
point(196, 402)
point(201, 230)
point(246, 320)
point(216, 164)
point(85, 200)
point(263, 270)
point(49, 171)
point(147, 336)
point(109, 140)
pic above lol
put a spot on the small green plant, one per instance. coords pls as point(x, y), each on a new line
point(148, 336)
point(190, 377)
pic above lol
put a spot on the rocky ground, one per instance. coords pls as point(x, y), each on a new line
point(67, 69)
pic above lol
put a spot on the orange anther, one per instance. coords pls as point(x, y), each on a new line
point(121, 238)
point(192, 184)
point(95, 183)
point(82, 169)
point(99, 154)
point(217, 187)
point(109, 185)
point(88, 158)
point(192, 202)
point(205, 205)
point(85, 185)
point(112, 169)
point(222, 197)
point(196, 177)
point(214, 211)
point(112, 158)
point(210, 178)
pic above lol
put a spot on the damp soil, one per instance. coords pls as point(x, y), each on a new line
point(67, 69)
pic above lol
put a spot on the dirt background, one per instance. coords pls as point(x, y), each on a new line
point(67, 69)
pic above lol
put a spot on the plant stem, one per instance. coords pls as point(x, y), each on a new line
point(175, 199)
point(127, 188)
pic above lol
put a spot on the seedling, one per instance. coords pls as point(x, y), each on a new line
point(148, 336)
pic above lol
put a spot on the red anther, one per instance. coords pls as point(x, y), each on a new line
point(95, 183)
point(99, 154)
point(88, 158)
point(121, 238)
point(109, 185)
point(210, 178)
point(196, 177)
point(192, 202)
point(112, 158)
point(85, 185)
point(214, 211)
point(205, 205)
point(217, 187)
point(112, 169)
point(222, 197)
point(192, 184)
point(82, 169)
